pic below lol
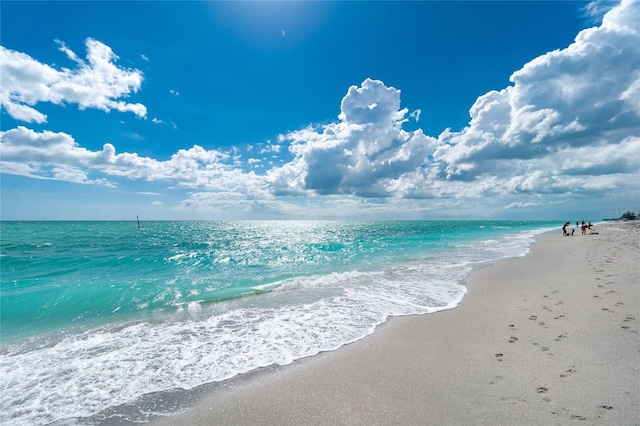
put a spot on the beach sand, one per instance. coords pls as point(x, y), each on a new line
point(548, 338)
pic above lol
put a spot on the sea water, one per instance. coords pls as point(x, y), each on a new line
point(95, 315)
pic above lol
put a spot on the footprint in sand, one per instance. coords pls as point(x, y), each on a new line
point(542, 390)
point(514, 400)
point(627, 319)
point(513, 339)
point(560, 337)
point(499, 357)
point(568, 373)
point(512, 327)
point(546, 349)
point(496, 379)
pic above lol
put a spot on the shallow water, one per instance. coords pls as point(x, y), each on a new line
point(98, 314)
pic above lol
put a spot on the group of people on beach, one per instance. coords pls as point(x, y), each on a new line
point(584, 228)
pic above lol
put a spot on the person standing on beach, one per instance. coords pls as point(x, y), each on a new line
point(564, 229)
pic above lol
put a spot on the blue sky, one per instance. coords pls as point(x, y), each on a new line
point(317, 110)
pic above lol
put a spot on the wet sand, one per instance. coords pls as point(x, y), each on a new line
point(548, 338)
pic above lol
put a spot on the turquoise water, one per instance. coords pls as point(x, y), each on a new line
point(98, 314)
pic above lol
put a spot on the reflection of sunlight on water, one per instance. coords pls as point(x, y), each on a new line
point(315, 287)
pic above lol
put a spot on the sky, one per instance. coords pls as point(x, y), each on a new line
point(319, 110)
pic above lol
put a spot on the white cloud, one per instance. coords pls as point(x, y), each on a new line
point(519, 205)
point(94, 83)
point(360, 153)
point(596, 10)
point(570, 123)
point(586, 95)
point(58, 156)
point(269, 148)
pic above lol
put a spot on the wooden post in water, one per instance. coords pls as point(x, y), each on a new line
point(138, 219)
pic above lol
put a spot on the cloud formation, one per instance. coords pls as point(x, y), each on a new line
point(359, 154)
point(567, 126)
point(96, 82)
point(57, 156)
point(570, 123)
point(584, 95)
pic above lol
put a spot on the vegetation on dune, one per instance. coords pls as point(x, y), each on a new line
point(628, 215)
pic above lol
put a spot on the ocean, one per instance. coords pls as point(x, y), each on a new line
point(101, 315)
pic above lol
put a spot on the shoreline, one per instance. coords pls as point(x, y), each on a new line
point(547, 338)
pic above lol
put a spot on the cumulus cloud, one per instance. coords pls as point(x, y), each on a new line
point(358, 154)
point(51, 155)
point(96, 82)
point(569, 123)
point(583, 95)
point(580, 102)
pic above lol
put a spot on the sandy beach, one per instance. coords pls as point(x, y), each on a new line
point(548, 338)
